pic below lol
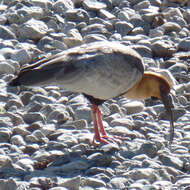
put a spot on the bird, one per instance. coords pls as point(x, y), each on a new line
point(100, 71)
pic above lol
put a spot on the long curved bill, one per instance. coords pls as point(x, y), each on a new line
point(166, 101)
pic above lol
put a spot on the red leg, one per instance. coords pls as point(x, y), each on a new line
point(102, 130)
point(97, 136)
point(100, 133)
point(100, 124)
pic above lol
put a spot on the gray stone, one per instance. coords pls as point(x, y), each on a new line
point(79, 124)
point(143, 50)
point(67, 26)
point(123, 16)
point(184, 182)
point(95, 29)
point(137, 30)
point(42, 99)
point(30, 149)
point(163, 48)
point(24, 14)
point(17, 140)
point(177, 113)
point(122, 122)
point(33, 117)
point(25, 97)
point(81, 148)
point(71, 183)
point(149, 149)
point(93, 38)
point(142, 5)
point(143, 173)
point(26, 164)
point(22, 56)
point(62, 6)
point(115, 36)
point(133, 107)
point(156, 32)
point(123, 27)
point(57, 188)
point(104, 14)
point(14, 102)
point(137, 21)
point(3, 7)
point(171, 161)
point(3, 19)
point(94, 183)
point(15, 118)
point(186, 15)
point(172, 12)
point(43, 4)
point(184, 45)
point(40, 136)
point(5, 161)
point(170, 27)
point(93, 5)
point(5, 135)
point(69, 140)
point(6, 33)
point(73, 38)
point(150, 15)
point(73, 166)
point(118, 182)
point(11, 183)
point(107, 23)
point(77, 15)
point(99, 159)
point(122, 131)
point(6, 68)
point(32, 29)
point(83, 112)
point(31, 139)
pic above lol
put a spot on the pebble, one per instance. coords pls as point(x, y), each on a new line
point(5, 135)
point(77, 15)
point(6, 68)
point(62, 6)
point(17, 140)
point(133, 107)
point(184, 45)
point(93, 5)
point(74, 38)
point(33, 117)
point(118, 182)
point(71, 183)
point(171, 161)
point(6, 33)
point(123, 27)
point(48, 131)
point(163, 48)
point(94, 183)
point(32, 29)
point(21, 56)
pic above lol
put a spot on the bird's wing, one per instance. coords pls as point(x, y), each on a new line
point(100, 69)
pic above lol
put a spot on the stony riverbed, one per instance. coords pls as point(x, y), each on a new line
point(46, 133)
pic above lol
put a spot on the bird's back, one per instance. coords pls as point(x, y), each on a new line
point(100, 69)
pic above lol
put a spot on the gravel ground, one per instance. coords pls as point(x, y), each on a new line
point(46, 133)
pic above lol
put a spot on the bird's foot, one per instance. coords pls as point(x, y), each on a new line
point(107, 139)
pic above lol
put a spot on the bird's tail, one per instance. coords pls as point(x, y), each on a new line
point(32, 78)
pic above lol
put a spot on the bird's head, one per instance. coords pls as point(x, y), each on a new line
point(157, 86)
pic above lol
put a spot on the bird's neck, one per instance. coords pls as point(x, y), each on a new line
point(148, 86)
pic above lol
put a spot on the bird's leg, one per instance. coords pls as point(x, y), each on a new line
point(100, 124)
point(97, 136)
point(102, 130)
